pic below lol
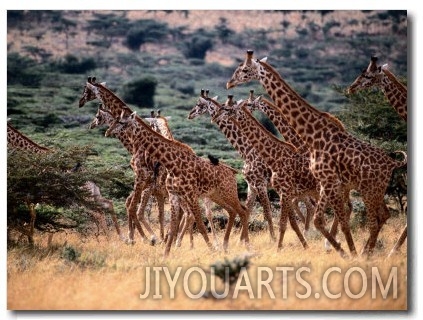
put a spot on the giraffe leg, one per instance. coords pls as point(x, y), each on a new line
point(287, 213)
point(131, 208)
point(228, 199)
point(400, 242)
point(310, 210)
point(375, 221)
point(267, 209)
point(338, 205)
point(108, 205)
point(186, 224)
point(160, 204)
point(194, 207)
point(298, 211)
point(209, 214)
point(319, 220)
point(335, 222)
point(174, 222)
point(145, 196)
point(251, 196)
point(294, 225)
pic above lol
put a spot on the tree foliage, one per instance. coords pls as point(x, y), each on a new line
point(48, 180)
point(140, 92)
point(143, 31)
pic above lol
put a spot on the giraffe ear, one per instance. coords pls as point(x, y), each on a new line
point(263, 59)
point(215, 98)
point(103, 84)
point(133, 115)
point(385, 66)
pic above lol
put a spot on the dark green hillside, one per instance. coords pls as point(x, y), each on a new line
point(161, 60)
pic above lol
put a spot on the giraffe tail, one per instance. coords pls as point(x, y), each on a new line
point(403, 163)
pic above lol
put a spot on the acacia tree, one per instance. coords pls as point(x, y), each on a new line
point(47, 179)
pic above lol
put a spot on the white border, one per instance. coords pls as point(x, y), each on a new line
point(415, 70)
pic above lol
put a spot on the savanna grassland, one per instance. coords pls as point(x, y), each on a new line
point(175, 54)
point(75, 273)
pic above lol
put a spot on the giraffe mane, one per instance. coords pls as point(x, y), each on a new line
point(326, 115)
point(394, 79)
point(27, 139)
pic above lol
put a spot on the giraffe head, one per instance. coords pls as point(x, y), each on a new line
point(101, 117)
point(202, 105)
point(89, 93)
point(369, 77)
point(246, 71)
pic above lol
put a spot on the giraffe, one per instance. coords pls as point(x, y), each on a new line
point(161, 124)
point(156, 187)
point(338, 159)
point(189, 176)
point(140, 163)
point(394, 91)
point(255, 172)
point(381, 77)
point(291, 177)
point(291, 136)
point(17, 140)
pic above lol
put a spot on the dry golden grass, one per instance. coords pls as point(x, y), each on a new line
point(110, 275)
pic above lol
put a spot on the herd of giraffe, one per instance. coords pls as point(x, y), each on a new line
point(318, 163)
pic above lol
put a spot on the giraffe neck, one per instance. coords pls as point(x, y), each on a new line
point(307, 121)
point(395, 92)
point(285, 129)
point(270, 148)
point(172, 154)
point(163, 127)
point(120, 134)
point(110, 101)
point(16, 139)
point(230, 129)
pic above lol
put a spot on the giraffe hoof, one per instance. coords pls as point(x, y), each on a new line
point(130, 241)
point(328, 246)
point(153, 241)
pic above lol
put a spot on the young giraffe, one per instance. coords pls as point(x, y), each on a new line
point(338, 159)
point(394, 91)
point(160, 124)
point(189, 176)
point(156, 188)
point(291, 177)
point(381, 77)
point(255, 172)
point(17, 140)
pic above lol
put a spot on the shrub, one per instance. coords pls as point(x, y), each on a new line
point(73, 65)
point(140, 92)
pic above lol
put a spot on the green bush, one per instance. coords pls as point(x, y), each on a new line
point(140, 92)
point(73, 65)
